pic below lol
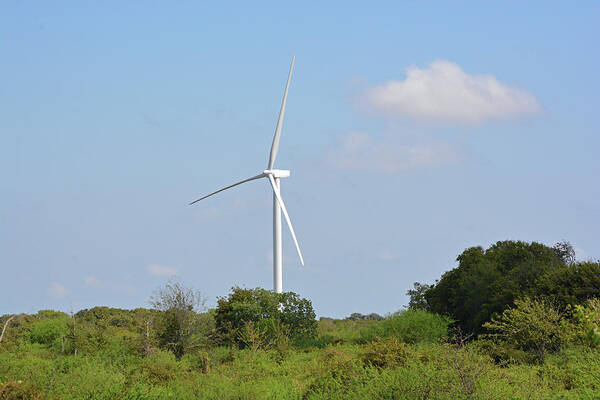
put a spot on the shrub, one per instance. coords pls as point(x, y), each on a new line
point(197, 361)
point(532, 325)
point(385, 353)
point(160, 367)
point(413, 326)
point(340, 364)
point(49, 330)
point(319, 342)
point(469, 368)
point(587, 319)
point(503, 353)
point(222, 354)
point(17, 390)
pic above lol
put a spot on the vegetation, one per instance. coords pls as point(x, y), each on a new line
point(261, 345)
point(181, 324)
point(486, 282)
point(260, 317)
point(533, 325)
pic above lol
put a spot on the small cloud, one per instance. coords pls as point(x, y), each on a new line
point(388, 256)
point(92, 281)
point(358, 151)
point(57, 290)
point(160, 270)
point(444, 92)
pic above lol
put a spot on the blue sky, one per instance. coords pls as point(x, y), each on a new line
point(413, 131)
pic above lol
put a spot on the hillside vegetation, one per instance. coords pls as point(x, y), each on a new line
point(543, 343)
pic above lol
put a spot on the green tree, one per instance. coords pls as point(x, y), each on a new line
point(182, 325)
point(272, 314)
point(565, 252)
point(486, 282)
point(417, 296)
point(571, 284)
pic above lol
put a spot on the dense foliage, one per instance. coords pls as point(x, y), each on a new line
point(350, 359)
point(263, 315)
point(414, 326)
point(533, 325)
point(486, 282)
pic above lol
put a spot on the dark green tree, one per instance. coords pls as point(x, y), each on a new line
point(486, 282)
point(272, 314)
point(571, 284)
point(564, 252)
point(417, 296)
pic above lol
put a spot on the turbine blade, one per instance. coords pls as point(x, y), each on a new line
point(275, 145)
point(230, 186)
point(285, 214)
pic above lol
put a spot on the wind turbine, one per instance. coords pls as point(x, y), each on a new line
point(274, 176)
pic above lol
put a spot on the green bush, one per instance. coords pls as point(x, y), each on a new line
point(267, 314)
point(49, 330)
point(385, 353)
point(222, 354)
point(532, 325)
point(160, 367)
point(587, 319)
point(412, 326)
point(199, 361)
point(503, 353)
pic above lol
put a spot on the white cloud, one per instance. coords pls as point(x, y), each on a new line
point(358, 151)
point(92, 281)
point(160, 270)
point(444, 92)
point(387, 255)
point(57, 290)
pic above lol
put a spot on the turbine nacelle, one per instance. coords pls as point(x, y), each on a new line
point(277, 173)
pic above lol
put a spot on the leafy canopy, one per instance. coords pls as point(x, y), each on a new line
point(486, 282)
point(272, 314)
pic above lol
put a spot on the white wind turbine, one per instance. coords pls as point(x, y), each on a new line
point(274, 176)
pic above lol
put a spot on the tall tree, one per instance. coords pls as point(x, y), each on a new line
point(486, 282)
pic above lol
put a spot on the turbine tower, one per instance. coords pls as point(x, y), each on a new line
point(274, 176)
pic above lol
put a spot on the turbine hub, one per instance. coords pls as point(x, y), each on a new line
point(277, 173)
